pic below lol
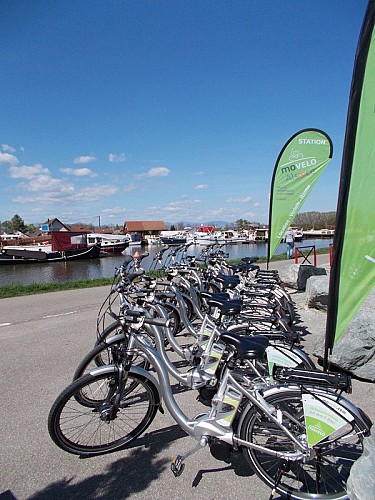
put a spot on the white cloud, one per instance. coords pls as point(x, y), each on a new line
point(79, 172)
point(179, 208)
point(114, 211)
point(27, 172)
point(201, 186)
point(239, 199)
point(48, 183)
point(48, 190)
point(95, 193)
point(224, 213)
point(7, 148)
point(249, 215)
point(156, 172)
point(84, 159)
point(116, 158)
point(8, 159)
point(129, 187)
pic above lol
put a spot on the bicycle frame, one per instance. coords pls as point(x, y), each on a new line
point(211, 425)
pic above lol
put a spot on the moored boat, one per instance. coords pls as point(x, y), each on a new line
point(261, 235)
point(319, 233)
point(109, 243)
point(65, 246)
point(173, 237)
point(202, 235)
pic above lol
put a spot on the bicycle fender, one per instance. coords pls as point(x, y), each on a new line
point(134, 369)
point(351, 407)
point(114, 339)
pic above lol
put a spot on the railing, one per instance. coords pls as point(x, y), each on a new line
point(306, 253)
point(330, 254)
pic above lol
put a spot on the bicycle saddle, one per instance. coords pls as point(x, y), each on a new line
point(253, 347)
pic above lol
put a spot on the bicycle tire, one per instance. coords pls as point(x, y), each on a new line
point(111, 330)
point(305, 363)
point(101, 355)
point(173, 316)
point(322, 476)
point(79, 429)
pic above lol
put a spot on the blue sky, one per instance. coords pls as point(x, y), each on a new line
point(166, 110)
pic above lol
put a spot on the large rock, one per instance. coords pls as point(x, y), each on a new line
point(361, 482)
point(296, 275)
point(355, 350)
point(317, 292)
point(289, 275)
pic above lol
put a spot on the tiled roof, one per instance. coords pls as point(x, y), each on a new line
point(144, 225)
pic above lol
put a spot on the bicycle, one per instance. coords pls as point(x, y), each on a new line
point(300, 436)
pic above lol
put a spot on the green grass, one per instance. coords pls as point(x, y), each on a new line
point(18, 289)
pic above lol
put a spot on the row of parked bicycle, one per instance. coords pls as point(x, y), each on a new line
point(233, 330)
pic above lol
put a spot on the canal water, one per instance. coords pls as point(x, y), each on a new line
point(105, 267)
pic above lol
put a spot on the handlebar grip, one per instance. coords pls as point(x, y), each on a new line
point(165, 295)
point(158, 321)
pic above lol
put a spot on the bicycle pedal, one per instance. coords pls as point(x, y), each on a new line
point(177, 466)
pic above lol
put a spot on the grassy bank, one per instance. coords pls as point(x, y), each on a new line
point(18, 289)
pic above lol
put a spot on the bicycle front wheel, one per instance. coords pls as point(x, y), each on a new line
point(82, 421)
point(102, 355)
point(320, 475)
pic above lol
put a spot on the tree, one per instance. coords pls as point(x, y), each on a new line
point(315, 220)
point(6, 226)
point(18, 224)
point(15, 224)
point(29, 228)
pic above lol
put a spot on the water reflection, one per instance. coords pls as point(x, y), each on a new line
point(105, 267)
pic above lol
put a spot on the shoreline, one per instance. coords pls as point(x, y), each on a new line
point(19, 290)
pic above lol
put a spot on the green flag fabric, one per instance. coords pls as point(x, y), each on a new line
point(299, 165)
point(353, 267)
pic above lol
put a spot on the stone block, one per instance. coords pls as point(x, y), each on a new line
point(361, 482)
point(296, 275)
point(305, 272)
point(317, 292)
point(355, 350)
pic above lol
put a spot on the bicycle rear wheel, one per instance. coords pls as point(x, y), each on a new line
point(323, 474)
point(79, 421)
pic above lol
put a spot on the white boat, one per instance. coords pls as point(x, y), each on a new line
point(135, 239)
point(298, 234)
point(206, 235)
point(173, 237)
point(227, 237)
point(109, 243)
point(202, 235)
point(261, 235)
point(319, 233)
point(247, 235)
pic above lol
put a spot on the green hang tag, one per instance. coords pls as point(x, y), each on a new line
point(322, 420)
point(276, 356)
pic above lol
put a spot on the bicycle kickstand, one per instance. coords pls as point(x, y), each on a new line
point(178, 466)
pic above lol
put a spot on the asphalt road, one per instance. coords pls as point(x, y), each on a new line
point(42, 339)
